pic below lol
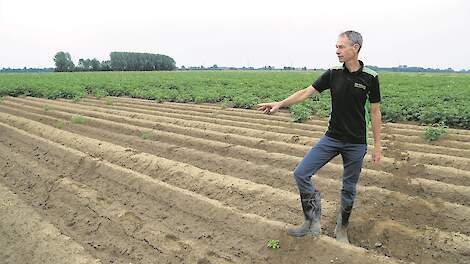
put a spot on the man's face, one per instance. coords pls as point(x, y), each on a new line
point(345, 50)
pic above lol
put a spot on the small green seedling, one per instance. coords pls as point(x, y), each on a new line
point(273, 243)
point(146, 135)
point(1, 99)
point(45, 107)
point(434, 132)
point(78, 119)
point(109, 101)
point(60, 124)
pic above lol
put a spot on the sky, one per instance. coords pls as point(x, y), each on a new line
point(426, 33)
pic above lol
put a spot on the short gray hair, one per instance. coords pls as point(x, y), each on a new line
point(353, 36)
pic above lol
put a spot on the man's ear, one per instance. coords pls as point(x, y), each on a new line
point(357, 47)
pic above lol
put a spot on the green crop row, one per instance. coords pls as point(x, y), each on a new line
point(426, 98)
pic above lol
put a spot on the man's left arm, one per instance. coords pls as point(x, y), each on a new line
point(376, 126)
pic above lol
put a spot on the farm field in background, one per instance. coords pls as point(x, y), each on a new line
point(426, 98)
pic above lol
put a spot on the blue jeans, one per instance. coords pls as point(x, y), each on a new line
point(325, 150)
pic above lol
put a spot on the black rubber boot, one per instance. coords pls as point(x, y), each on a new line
point(311, 205)
point(341, 230)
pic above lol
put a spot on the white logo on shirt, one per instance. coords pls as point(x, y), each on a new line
point(358, 85)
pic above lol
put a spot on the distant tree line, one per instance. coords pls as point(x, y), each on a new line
point(401, 68)
point(405, 68)
point(243, 68)
point(131, 61)
point(14, 70)
point(119, 61)
point(63, 62)
point(93, 65)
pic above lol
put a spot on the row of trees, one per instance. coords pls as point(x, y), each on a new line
point(405, 68)
point(132, 61)
point(63, 62)
point(119, 61)
point(93, 65)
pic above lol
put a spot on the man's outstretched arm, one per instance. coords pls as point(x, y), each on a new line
point(297, 97)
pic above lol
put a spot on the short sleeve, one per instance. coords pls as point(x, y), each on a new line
point(323, 82)
point(374, 95)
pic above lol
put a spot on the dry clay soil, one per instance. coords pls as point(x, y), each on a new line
point(121, 180)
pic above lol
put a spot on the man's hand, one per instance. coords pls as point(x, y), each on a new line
point(376, 155)
point(297, 97)
point(269, 108)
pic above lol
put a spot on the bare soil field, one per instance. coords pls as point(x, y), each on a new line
point(121, 180)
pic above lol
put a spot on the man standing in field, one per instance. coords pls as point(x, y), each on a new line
point(352, 87)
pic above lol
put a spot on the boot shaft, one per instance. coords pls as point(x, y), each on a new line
point(345, 214)
point(311, 205)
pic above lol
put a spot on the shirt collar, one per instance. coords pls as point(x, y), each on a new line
point(356, 72)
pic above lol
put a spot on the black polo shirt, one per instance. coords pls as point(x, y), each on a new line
point(351, 93)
